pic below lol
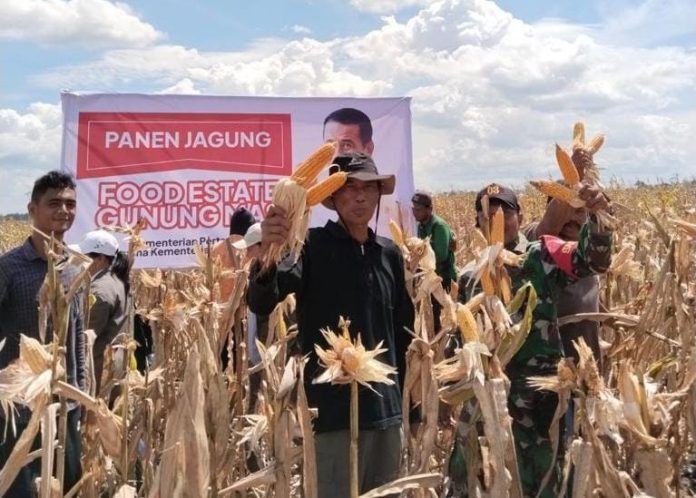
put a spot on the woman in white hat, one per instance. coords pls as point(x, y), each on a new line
point(109, 274)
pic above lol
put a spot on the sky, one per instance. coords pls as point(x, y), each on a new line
point(494, 84)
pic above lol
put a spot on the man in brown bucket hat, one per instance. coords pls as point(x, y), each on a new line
point(346, 270)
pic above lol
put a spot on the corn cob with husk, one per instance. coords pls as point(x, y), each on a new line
point(580, 166)
point(554, 189)
point(396, 232)
point(624, 263)
point(292, 193)
point(583, 153)
point(489, 269)
point(348, 362)
point(27, 379)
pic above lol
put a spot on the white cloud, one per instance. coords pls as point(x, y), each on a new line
point(100, 23)
point(29, 147)
point(36, 132)
point(385, 6)
point(491, 93)
point(182, 87)
point(300, 30)
point(301, 67)
point(647, 23)
point(162, 63)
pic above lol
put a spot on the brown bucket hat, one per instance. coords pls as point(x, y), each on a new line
point(361, 167)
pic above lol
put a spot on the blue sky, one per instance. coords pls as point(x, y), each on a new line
point(494, 85)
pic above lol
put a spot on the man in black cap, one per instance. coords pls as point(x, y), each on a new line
point(504, 198)
point(441, 238)
point(550, 265)
point(346, 270)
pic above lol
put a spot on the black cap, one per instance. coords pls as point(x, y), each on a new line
point(500, 193)
point(422, 198)
point(240, 221)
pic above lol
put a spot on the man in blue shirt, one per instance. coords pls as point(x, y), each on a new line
point(22, 272)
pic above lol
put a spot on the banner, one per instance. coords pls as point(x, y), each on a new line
point(184, 163)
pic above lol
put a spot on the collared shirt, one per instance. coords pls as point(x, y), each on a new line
point(22, 272)
point(107, 316)
point(337, 276)
point(440, 235)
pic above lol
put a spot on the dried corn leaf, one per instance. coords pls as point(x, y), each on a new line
point(419, 481)
point(185, 467)
point(19, 453)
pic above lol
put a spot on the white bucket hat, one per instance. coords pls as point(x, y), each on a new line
point(97, 241)
point(251, 237)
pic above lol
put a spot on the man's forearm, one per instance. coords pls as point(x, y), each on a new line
point(595, 244)
point(549, 225)
point(262, 295)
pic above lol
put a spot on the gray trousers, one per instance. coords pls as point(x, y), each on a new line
point(379, 456)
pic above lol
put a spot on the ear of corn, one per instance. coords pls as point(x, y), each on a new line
point(595, 144)
point(467, 324)
point(487, 283)
point(506, 288)
point(568, 169)
point(579, 135)
point(498, 228)
point(308, 170)
point(396, 232)
point(324, 189)
point(34, 354)
point(558, 191)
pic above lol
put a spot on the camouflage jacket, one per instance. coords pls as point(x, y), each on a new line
point(550, 265)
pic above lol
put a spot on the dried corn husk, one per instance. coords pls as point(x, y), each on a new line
point(346, 361)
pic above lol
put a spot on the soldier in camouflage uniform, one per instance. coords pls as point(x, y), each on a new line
point(550, 264)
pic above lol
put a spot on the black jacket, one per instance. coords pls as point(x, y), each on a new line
point(336, 276)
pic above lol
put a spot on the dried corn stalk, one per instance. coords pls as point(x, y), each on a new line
point(348, 362)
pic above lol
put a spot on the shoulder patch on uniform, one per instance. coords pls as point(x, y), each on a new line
point(561, 252)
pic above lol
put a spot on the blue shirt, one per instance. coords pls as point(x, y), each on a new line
point(22, 273)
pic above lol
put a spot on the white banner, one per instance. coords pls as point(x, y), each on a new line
point(184, 163)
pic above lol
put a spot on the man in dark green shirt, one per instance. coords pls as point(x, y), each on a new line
point(431, 225)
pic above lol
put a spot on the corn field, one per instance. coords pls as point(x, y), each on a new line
point(188, 427)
